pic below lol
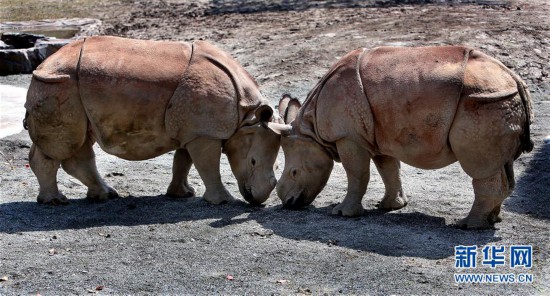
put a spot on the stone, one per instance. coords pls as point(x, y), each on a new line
point(16, 61)
point(25, 60)
point(5, 46)
point(20, 40)
point(21, 53)
point(51, 45)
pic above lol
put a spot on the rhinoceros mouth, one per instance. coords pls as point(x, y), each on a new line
point(296, 202)
point(248, 196)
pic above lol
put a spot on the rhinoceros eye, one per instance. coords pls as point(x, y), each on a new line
point(253, 161)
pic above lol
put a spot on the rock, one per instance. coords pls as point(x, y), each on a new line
point(24, 61)
point(20, 40)
point(5, 46)
point(21, 53)
point(16, 61)
point(51, 45)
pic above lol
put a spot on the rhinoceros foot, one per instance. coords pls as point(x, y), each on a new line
point(102, 194)
point(52, 199)
point(217, 197)
point(180, 191)
point(475, 223)
point(348, 209)
point(393, 203)
point(494, 216)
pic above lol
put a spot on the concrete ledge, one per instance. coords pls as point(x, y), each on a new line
point(25, 45)
point(82, 26)
point(25, 60)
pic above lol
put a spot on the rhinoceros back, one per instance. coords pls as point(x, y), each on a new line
point(125, 86)
point(414, 93)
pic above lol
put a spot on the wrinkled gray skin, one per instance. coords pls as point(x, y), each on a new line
point(428, 107)
point(139, 99)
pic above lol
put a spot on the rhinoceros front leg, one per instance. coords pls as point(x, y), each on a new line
point(83, 167)
point(389, 167)
point(45, 170)
point(206, 154)
point(179, 187)
point(489, 195)
point(356, 162)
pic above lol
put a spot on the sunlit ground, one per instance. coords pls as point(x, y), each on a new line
point(12, 110)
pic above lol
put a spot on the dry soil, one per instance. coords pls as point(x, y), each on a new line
point(146, 243)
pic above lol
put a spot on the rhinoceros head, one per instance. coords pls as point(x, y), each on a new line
point(252, 152)
point(307, 163)
point(306, 172)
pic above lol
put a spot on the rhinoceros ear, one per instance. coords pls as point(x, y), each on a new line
point(283, 105)
point(280, 129)
point(264, 113)
point(288, 108)
point(292, 110)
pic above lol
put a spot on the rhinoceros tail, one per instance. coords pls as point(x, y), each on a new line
point(509, 170)
point(25, 123)
point(526, 141)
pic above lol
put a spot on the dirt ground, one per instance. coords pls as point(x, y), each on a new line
point(146, 243)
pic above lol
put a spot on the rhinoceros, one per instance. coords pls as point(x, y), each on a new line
point(139, 99)
point(426, 106)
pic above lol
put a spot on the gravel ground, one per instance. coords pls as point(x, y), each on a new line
point(146, 243)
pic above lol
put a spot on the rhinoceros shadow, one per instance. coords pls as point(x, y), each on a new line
point(125, 211)
point(389, 234)
point(532, 193)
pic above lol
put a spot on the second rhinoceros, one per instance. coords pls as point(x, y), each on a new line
point(427, 107)
point(139, 99)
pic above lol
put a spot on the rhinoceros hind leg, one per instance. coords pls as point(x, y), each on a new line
point(206, 154)
point(179, 187)
point(82, 166)
point(356, 163)
point(507, 176)
point(45, 169)
point(489, 195)
point(394, 197)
